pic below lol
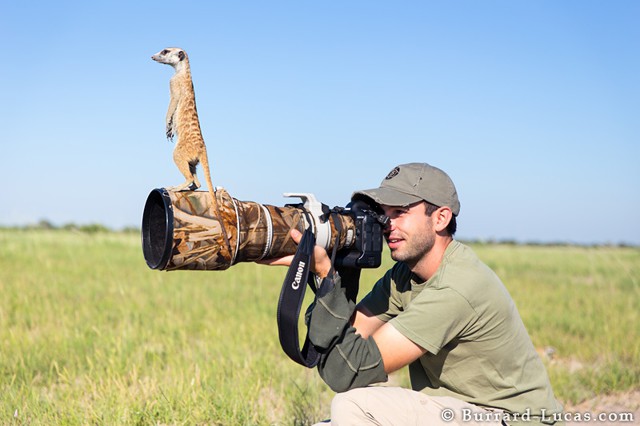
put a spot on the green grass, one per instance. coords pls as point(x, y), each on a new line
point(90, 335)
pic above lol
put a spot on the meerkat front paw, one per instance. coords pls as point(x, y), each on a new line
point(169, 129)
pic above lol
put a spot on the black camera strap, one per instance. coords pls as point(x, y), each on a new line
point(292, 296)
point(290, 303)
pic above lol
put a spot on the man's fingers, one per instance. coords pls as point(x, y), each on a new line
point(286, 260)
point(296, 235)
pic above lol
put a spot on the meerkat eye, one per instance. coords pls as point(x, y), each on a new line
point(164, 52)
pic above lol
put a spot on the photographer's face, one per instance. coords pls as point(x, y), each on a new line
point(409, 234)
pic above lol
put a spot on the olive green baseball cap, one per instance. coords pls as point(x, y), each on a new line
point(409, 183)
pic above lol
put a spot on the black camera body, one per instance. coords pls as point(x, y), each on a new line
point(366, 251)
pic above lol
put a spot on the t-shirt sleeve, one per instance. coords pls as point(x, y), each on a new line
point(434, 318)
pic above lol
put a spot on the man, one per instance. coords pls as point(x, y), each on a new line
point(439, 310)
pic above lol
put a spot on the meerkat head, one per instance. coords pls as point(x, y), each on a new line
point(173, 56)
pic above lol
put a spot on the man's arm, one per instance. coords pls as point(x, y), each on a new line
point(365, 322)
point(396, 350)
point(349, 359)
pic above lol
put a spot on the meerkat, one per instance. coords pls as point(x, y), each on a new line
point(182, 121)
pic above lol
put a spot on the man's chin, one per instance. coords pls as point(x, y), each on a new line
point(397, 255)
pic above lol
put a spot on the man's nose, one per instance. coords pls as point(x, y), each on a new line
point(391, 225)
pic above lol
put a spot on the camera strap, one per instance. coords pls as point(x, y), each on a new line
point(290, 303)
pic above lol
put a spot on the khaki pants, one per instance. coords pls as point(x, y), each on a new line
point(404, 407)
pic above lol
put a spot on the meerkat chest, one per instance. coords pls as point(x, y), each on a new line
point(183, 92)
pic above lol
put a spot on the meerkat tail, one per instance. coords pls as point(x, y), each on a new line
point(207, 177)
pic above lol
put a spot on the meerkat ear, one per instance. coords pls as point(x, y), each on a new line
point(181, 55)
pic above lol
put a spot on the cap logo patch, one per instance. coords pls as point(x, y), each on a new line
point(393, 173)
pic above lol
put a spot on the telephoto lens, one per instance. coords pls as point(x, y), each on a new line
point(183, 230)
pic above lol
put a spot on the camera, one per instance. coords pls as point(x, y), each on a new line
point(182, 230)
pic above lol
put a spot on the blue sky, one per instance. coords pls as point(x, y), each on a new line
point(531, 107)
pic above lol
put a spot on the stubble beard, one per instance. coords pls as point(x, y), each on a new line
point(414, 249)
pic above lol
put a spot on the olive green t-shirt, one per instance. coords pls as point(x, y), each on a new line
point(478, 348)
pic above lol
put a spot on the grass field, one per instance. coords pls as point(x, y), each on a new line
point(90, 335)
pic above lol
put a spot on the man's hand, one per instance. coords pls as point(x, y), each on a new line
point(321, 262)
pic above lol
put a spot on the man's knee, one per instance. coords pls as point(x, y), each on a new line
point(347, 407)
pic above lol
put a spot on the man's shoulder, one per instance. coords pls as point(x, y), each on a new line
point(464, 272)
point(460, 262)
point(458, 252)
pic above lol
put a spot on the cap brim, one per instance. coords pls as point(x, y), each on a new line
point(388, 196)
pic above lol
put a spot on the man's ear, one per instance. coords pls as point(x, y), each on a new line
point(441, 218)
